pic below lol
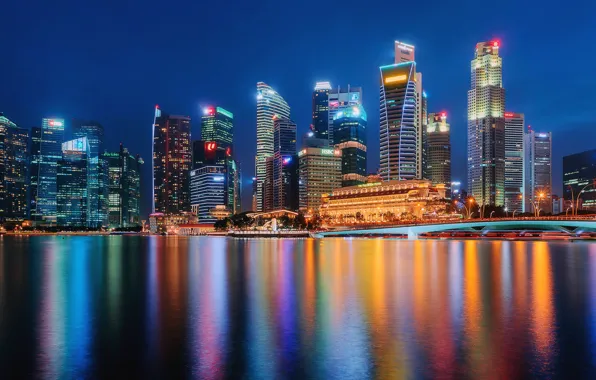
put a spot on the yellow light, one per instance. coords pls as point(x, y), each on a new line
point(396, 78)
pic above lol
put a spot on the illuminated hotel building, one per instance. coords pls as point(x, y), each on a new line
point(439, 151)
point(349, 125)
point(208, 188)
point(514, 161)
point(72, 201)
point(339, 98)
point(319, 173)
point(217, 125)
point(270, 105)
point(401, 117)
point(52, 136)
point(171, 163)
point(538, 170)
point(486, 127)
point(579, 172)
point(383, 201)
point(13, 170)
point(320, 110)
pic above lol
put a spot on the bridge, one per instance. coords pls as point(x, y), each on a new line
point(569, 226)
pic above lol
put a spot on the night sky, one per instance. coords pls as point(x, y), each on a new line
point(113, 61)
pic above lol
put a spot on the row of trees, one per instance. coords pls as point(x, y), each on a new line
point(242, 222)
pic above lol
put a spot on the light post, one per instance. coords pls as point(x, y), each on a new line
point(514, 213)
point(491, 214)
point(570, 207)
point(506, 214)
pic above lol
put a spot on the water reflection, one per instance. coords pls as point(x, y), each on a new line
point(216, 308)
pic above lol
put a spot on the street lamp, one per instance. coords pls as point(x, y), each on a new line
point(491, 214)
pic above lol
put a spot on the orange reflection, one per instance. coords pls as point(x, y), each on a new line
point(542, 303)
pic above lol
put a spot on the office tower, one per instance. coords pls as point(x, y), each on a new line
point(425, 121)
point(486, 127)
point(339, 98)
point(97, 173)
point(320, 110)
point(13, 171)
point(401, 117)
point(349, 136)
point(579, 172)
point(319, 172)
point(72, 202)
point(285, 165)
point(514, 161)
point(35, 159)
point(270, 105)
point(438, 137)
point(217, 125)
point(171, 163)
point(124, 187)
point(538, 171)
point(52, 136)
point(268, 184)
point(207, 191)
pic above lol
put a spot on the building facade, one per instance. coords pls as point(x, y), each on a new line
point(349, 125)
point(124, 188)
point(171, 163)
point(208, 188)
point(438, 146)
point(34, 161)
point(538, 171)
point(514, 161)
point(579, 172)
point(217, 125)
point(52, 136)
point(270, 105)
point(13, 171)
point(320, 110)
point(72, 200)
point(486, 127)
point(285, 166)
point(341, 97)
point(319, 173)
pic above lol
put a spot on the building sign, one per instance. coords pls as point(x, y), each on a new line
point(396, 79)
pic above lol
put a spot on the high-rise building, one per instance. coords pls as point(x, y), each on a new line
point(270, 105)
point(124, 185)
point(338, 98)
point(538, 171)
point(320, 110)
point(319, 172)
point(486, 127)
point(217, 125)
point(97, 171)
point(349, 125)
point(13, 170)
point(579, 172)
point(208, 188)
point(401, 118)
point(35, 159)
point(439, 151)
point(171, 163)
point(285, 165)
point(52, 136)
point(514, 161)
point(72, 202)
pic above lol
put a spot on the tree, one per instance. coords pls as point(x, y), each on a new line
point(315, 222)
point(299, 222)
point(283, 221)
point(221, 225)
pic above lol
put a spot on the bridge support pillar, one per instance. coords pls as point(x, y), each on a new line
point(412, 235)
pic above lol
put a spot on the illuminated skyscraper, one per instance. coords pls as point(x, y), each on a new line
point(35, 159)
point(208, 188)
point(514, 161)
point(319, 173)
point(124, 184)
point(270, 105)
point(72, 201)
point(320, 110)
point(13, 170)
point(401, 117)
point(340, 97)
point(285, 165)
point(217, 125)
point(538, 171)
point(486, 127)
point(439, 151)
point(349, 126)
point(52, 136)
point(171, 163)
point(579, 172)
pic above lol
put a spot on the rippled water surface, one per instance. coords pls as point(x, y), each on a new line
point(167, 307)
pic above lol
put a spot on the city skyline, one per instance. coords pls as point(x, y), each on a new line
point(129, 110)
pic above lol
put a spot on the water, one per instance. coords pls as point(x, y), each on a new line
point(166, 307)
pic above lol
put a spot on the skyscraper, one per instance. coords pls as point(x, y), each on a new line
point(349, 125)
point(270, 105)
point(340, 97)
point(52, 136)
point(13, 170)
point(401, 117)
point(319, 172)
point(171, 163)
point(486, 127)
point(217, 125)
point(72, 201)
point(439, 151)
point(285, 165)
point(514, 161)
point(538, 171)
point(320, 110)
point(124, 185)
point(579, 172)
point(207, 190)
point(35, 159)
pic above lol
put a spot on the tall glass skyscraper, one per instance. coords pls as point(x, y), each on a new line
point(401, 117)
point(338, 98)
point(52, 136)
point(538, 171)
point(486, 127)
point(579, 172)
point(320, 110)
point(72, 200)
point(514, 161)
point(13, 170)
point(438, 138)
point(270, 105)
point(349, 134)
point(171, 163)
point(35, 159)
point(285, 165)
point(217, 125)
